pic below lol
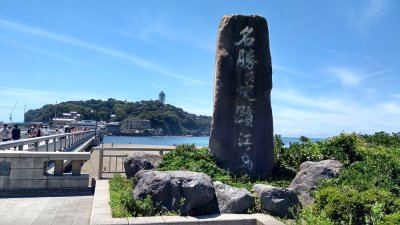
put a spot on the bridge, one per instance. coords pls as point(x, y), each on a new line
point(40, 163)
point(52, 143)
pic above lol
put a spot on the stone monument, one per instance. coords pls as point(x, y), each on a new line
point(242, 126)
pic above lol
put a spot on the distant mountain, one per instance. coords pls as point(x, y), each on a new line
point(173, 120)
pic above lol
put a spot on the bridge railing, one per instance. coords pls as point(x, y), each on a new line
point(113, 161)
point(29, 170)
point(51, 143)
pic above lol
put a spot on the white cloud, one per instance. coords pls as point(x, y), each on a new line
point(391, 107)
point(373, 11)
point(352, 77)
point(287, 70)
point(322, 116)
point(318, 103)
point(346, 76)
point(162, 26)
point(102, 49)
point(395, 95)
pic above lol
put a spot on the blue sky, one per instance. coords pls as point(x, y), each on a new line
point(335, 63)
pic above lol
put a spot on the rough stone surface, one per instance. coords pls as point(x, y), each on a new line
point(276, 200)
point(140, 161)
point(232, 200)
point(188, 192)
point(310, 172)
point(242, 127)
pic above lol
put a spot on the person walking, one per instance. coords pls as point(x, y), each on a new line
point(5, 133)
point(16, 133)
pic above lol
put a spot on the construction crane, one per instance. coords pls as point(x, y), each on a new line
point(12, 113)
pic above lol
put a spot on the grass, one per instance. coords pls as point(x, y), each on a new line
point(124, 205)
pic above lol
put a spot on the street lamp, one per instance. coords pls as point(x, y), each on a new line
point(95, 129)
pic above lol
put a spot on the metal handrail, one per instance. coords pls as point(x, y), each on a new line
point(37, 140)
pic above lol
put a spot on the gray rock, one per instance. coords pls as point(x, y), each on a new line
point(310, 172)
point(140, 161)
point(190, 193)
point(277, 201)
point(242, 127)
point(231, 199)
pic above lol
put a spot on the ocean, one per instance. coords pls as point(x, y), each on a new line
point(177, 140)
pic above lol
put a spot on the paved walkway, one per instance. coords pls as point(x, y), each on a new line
point(69, 210)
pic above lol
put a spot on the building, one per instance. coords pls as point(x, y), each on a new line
point(112, 127)
point(134, 123)
point(89, 124)
point(161, 97)
point(67, 119)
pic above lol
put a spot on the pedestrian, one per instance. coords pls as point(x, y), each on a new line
point(5, 133)
point(45, 131)
point(32, 131)
point(39, 132)
point(16, 133)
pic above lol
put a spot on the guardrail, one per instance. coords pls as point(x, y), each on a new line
point(52, 143)
point(114, 163)
point(29, 170)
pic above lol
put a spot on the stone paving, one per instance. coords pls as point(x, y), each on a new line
point(67, 210)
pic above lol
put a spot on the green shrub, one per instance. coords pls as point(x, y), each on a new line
point(309, 215)
point(289, 158)
point(391, 219)
point(124, 205)
point(188, 157)
point(350, 206)
point(347, 148)
point(379, 169)
point(383, 139)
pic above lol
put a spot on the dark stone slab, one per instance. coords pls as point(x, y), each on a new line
point(242, 127)
point(137, 161)
point(187, 192)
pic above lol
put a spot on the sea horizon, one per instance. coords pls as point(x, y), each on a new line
point(178, 140)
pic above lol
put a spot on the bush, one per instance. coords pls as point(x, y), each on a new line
point(350, 206)
point(291, 157)
point(188, 157)
point(383, 139)
point(346, 148)
point(309, 215)
point(391, 219)
point(122, 202)
point(380, 169)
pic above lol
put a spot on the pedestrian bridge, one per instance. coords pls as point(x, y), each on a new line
point(40, 163)
point(68, 142)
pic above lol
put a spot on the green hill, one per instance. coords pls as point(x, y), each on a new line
point(173, 120)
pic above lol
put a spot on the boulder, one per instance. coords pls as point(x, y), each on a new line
point(276, 201)
point(232, 200)
point(310, 172)
point(189, 193)
point(140, 161)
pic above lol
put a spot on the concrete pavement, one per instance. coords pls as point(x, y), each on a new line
point(67, 210)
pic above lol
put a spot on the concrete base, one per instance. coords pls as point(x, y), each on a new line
point(101, 215)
